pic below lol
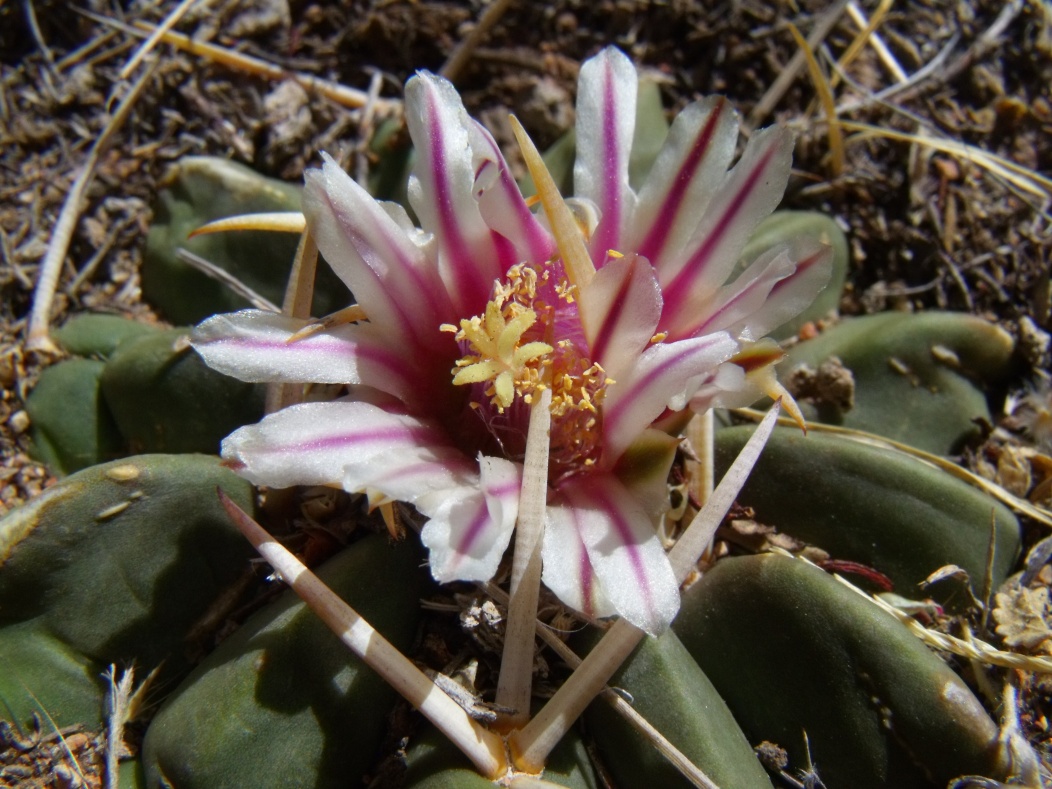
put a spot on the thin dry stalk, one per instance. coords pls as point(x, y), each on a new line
point(865, 36)
point(482, 747)
point(38, 337)
point(341, 94)
point(825, 95)
point(774, 93)
point(531, 745)
point(515, 683)
point(885, 55)
point(466, 48)
point(169, 22)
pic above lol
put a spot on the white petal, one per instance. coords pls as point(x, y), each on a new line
point(606, 121)
point(688, 171)
point(751, 191)
point(567, 571)
point(501, 203)
point(624, 551)
point(665, 375)
point(376, 256)
point(620, 308)
point(311, 443)
point(471, 526)
point(441, 191)
point(253, 345)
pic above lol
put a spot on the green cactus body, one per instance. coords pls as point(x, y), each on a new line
point(71, 426)
point(674, 695)
point(919, 378)
point(875, 506)
point(164, 398)
point(794, 651)
point(115, 564)
point(96, 335)
point(282, 703)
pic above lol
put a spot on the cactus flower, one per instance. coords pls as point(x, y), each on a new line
point(624, 316)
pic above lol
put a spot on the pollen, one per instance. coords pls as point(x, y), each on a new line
point(500, 351)
point(515, 347)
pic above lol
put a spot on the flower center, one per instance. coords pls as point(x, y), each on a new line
point(530, 338)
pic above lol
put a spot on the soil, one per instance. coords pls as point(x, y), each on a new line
point(928, 228)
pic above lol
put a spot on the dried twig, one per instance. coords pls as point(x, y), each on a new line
point(774, 94)
point(466, 48)
point(169, 22)
point(38, 337)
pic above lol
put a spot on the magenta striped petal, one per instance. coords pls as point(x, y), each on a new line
point(620, 309)
point(664, 376)
point(470, 526)
point(375, 256)
point(311, 443)
point(606, 120)
point(501, 203)
point(623, 550)
point(791, 295)
point(441, 191)
point(253, 345)
point(678, 190)
point(779, 284)
point(567, 570)
point(750, 193)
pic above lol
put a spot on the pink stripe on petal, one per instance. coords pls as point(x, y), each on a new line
point(311, 443)
point(567, 570)
point(750, 193)
point(502, 205)
point(253, 345)
point(620, 307)
point(442, 193)
point(624, 551)
point(606, 116)
point(660, 233)
point(470, 526)
point(374, 255)
point(664, 376)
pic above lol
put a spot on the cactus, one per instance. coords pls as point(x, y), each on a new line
point(165, 399)
point(794, 652)
point(198, 190)
point(919, 379)
point(115, 564)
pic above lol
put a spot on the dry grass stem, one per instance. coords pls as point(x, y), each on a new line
point(865, 36)
point(788, 75)
point(456, 62)
point(219, 274)
point(38, 336)
point(169, 22)
point(825, 95)
point(334, 91)
point(885, 55)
